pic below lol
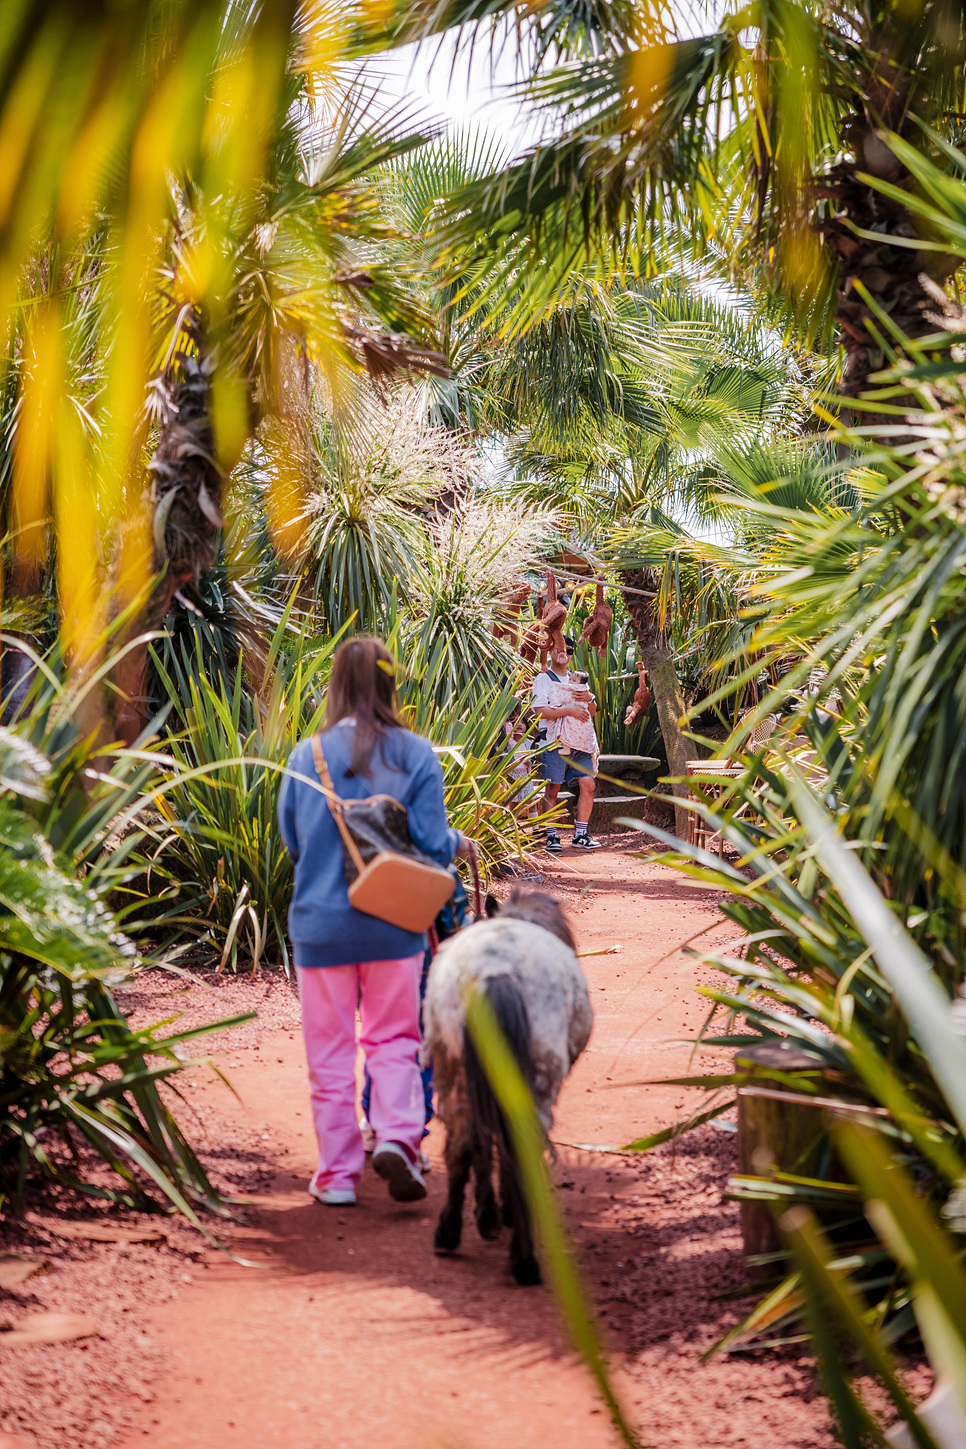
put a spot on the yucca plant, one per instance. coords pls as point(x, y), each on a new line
point(850, 877)
point(910, 1174)
point(872, 616)
point(72, 1071)
point(473, 559)
point(371, 480)
point(849, 880)
point(827, 963)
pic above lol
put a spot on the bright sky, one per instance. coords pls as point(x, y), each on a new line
point(471, 88)
point(475, 87)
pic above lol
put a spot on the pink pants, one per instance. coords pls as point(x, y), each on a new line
point(390, 1039)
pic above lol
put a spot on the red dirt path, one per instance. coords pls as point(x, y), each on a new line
point(350, 1331)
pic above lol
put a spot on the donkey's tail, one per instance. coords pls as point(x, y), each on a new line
point(510, 1011)
point(489, 1124)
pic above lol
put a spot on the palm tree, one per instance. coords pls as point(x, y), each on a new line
point(304, 302)
point(403, 536)
point(234, 248)
point(606, 401)
point(760, 142)
point(303, 295)
point(625, 413)
point(416, 187)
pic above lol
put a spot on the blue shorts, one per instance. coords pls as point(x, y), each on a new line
point(560, 769)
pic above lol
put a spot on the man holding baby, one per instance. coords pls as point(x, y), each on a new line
point(558, 696)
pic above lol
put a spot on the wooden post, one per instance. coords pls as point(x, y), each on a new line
point(773, 1133)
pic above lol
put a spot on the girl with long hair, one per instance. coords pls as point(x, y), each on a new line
point(345, 958)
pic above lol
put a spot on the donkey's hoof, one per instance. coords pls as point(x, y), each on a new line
point(488, 1222)
point(446, 1239)
point(526, 1272)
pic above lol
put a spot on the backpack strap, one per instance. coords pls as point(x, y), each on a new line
point(336, 804)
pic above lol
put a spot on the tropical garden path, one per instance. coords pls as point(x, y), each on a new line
point(350, 1331)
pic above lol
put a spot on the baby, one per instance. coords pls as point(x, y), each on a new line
point(573, 734)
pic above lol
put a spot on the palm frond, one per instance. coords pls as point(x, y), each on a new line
point(560, 27)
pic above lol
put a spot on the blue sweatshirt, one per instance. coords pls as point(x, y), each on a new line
point(324, 929)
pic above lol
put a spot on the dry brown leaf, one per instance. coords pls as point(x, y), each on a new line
point(94, 1231)
point(49, 1328)
point(14, 1270)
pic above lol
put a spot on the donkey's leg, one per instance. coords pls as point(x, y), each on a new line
point(454, 1113)
point(459, 1157)
point(506, 1206)
point(487, 1218)
point(523, 1262)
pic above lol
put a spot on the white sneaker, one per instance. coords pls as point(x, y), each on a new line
point(391, 1162)
point(424, 1163)
point(333, 1196)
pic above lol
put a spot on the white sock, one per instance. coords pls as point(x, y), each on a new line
point(580, 829)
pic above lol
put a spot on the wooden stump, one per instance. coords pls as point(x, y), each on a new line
point(773, 1133)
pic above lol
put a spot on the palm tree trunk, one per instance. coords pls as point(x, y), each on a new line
point(890, 274)
point(860, 228)
point(23, 592)
point(662, 674)
point(186, 496)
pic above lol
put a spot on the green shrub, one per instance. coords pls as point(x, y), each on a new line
point(71, 1069)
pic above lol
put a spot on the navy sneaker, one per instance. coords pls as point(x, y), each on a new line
point(552, 841)
point(584, 841)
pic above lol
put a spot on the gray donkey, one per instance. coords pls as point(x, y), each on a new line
point(526, 964)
